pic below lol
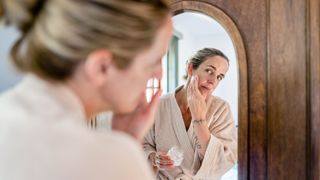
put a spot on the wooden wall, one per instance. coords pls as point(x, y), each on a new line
point(313, 69)
point(282, 45)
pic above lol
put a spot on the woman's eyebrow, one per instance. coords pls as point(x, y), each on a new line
point(213, 67)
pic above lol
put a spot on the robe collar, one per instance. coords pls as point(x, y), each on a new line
point(184, 137)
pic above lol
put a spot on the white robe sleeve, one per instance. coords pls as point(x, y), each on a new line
point(221, 153)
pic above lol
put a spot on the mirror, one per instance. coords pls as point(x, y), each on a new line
point(194, 31)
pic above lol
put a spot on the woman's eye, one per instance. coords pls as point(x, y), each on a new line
point(219, 78)
point(209, 71)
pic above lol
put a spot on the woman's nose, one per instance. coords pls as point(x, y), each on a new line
point(213, 80)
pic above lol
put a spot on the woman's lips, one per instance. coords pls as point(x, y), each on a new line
point(206, 88)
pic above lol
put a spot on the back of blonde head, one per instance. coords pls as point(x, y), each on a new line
point(57, 35)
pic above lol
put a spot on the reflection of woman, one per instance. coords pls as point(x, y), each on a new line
point(81, 58)
point(197, 122)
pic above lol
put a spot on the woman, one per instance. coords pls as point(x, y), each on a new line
point(196, 122)
point(81, 57)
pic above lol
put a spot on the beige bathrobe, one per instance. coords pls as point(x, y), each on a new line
point(44, 136)
point(169, 130)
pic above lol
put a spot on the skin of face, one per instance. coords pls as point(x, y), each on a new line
point(124, 89)
point(210, 73)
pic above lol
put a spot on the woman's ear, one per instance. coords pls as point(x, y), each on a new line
point(96, 66)
point(190, 70)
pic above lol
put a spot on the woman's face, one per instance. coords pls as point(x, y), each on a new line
point(128, 85)
point(210, 73)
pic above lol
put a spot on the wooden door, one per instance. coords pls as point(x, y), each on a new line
point(279, 103)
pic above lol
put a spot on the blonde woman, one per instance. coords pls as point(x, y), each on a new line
point(80, 57)
point(200, 124)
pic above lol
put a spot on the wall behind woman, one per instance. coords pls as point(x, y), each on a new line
point(9, 76)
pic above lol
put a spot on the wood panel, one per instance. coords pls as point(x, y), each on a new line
point(314, 69)
point(287, 91)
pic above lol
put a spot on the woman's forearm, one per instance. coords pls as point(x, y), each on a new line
point(202, 136)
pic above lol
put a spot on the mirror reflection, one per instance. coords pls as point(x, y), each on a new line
point(195, 134)
point(194, 31)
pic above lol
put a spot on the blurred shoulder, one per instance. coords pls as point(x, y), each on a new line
point(109, 155)
point(123, 156)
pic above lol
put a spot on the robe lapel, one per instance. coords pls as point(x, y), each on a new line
point(182, 135)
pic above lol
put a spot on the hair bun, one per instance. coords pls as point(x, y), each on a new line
point(21, 13)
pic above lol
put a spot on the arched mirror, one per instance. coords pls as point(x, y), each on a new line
point(198, 25)
point(194, 31)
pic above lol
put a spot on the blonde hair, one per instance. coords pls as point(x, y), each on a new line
point(59, 34)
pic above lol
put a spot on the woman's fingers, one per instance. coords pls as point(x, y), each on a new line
point(155, 98)
point(165, 163)
point(145, 106)
point(164, 157)
point(196, 86)
point(154, 102)
point(150, 107)
point(163, 160)
point(192, 87)
point(140, 121)
point(194, 83)
point(195, 89)
point(143, 101)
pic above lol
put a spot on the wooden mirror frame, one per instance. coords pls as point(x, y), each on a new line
point(234, 33)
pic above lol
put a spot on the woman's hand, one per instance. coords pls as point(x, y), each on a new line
point(137, 123)
point(199, 105)
point(161, 160)
point(196, 101)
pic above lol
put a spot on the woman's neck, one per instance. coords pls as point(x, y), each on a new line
point(181, 97)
